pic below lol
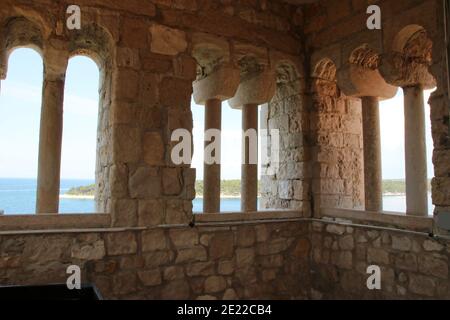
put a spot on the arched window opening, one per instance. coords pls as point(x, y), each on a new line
point(230, 157)
point(392, 123)
point(79, 144)
point(20, 112)
point(407, 67)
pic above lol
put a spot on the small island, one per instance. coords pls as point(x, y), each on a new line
point(83, 192)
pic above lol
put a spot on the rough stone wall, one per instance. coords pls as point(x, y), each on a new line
point(252, 261)
point(336, 132)
point(285, 185)
point(412, 267)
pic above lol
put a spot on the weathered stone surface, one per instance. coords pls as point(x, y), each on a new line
point(125, 283)
point(342, 259)
point(193, 254)
point(429, 245)
point(221, 246)
point(124, 213)
point(246, 236)
point(153, 149)
point(167, 41)
point(377, 256)
point(406, 261)
point(200, 269)
point(422, 285)
point(401, 243)
point(346, 243)
point(215, 284)
point(158, 258)
point(145, 183)
point(150, 278)
point(273, 247)
point(172, 181)
point(94, 251)
point(230, 294)
point(176, 290)
point(173, 273)
point(120, 243)
point(432, 265)
point(226, 268)
point(153, 240)
point(335, 229)
point(150, 213)
point(184, 238)
point(245, 257)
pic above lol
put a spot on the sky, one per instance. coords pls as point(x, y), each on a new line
point(20, 103)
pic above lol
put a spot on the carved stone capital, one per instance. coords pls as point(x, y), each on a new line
point(401, 71)
point(358, 81)
point(222, 84)
point(258, 90)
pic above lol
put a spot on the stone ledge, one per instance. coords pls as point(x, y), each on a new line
point(394, 219)
point(247, 217)
point(52, 222)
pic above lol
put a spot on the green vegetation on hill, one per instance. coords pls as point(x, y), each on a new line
point(397, 186)
point(82, 191)
point(232, 188)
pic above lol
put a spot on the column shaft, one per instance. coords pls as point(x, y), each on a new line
point(211, 172)
point(249, 173)
point(372, 154)
point(415, 152)
point(50, 141)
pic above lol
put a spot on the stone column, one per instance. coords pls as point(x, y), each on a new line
point(51, 129)
point(249, 169)
point(372, 154)
point(252, 92)
point(415, 152)
point(359, 80)
point(211, 172)
point(211, 91)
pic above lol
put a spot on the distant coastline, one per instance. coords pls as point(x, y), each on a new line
point(231, 190)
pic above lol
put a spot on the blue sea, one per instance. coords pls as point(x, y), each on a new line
point(18, 196)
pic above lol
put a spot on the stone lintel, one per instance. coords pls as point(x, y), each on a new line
point(358, 81)
point(399, 71)
point(219, 85)
point(257, 90)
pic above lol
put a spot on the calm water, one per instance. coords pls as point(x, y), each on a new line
point(18, 196)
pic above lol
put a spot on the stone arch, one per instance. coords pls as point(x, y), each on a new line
point(18, 32)
point(94, 42)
